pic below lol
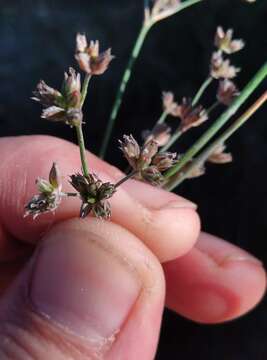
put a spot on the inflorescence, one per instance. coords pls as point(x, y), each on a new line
point(150, 160)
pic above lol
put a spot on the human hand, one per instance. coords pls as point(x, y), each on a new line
point(96, 289)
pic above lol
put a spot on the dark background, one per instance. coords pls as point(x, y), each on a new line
point(37, 41)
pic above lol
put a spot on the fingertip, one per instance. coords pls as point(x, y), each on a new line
point(215, 282)
point(175, 232)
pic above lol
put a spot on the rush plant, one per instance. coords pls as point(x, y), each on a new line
point(149, 160)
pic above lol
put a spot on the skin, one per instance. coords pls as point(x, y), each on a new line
point(195, 274)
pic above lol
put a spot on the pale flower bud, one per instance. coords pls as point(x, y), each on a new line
point(89, 58)
point(224, 41)
point(131, 150)
point(219, 156)
point(164, 161)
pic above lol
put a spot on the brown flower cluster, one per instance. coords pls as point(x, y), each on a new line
point(64, 105)
point(89, 58)
point(49, 197)
point(189, 115)
point(94, 194)
point(221, 68)
point(147, 163)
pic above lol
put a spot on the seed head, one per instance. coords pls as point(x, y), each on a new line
point(149, 150)
point(148, 163)
point(61, 106)
point(197, 171)
point(93, 193)
point(46, 95)
point(89, 58)
point(131, 150)
point(224, 41)
point(54, 113)
point(219, 156)
point(191, 116)
point(71, 88)
point(226, 92)
point(49, 197)
point(164, 161)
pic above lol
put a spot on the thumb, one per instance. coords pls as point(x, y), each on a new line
point(92, 290)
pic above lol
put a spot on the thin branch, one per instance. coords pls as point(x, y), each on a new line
point(85, 88)
point(80, 138)
point(201, 90)
point(127, 177)
point(124, 82)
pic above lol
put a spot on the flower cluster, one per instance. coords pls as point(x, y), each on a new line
point(227, 90)
point(49, 196)
point(89, 58)
point(94, 194)
point(64, 105)
point(189, 115)
point(147, 163)
point(221, 68)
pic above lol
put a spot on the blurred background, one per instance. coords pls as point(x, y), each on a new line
point(37, 41)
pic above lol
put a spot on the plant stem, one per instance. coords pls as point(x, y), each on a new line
point(84, 89)
point(148, 23)
point(201, 90)
point(212, 107)
point(221, 139)
point(80, 138)
point(125, 79)
point(217, 125)
point(162, 118)
point(174, 137)
point(127, 177)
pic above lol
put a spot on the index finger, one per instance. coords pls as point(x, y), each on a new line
point(169, 228)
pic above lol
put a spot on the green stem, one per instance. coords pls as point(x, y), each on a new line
point(217, 125)
point(213, 107)
point(148, 23)
point(172, 140)
point(162, 118)
point(125, 79)
point(80, 138)
point(201, 159)
point(127, 177)
point(201, 90)
point(84, 89)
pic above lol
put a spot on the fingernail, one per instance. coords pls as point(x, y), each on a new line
point(241, 258)
point(82, 287)
point(183, 204)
